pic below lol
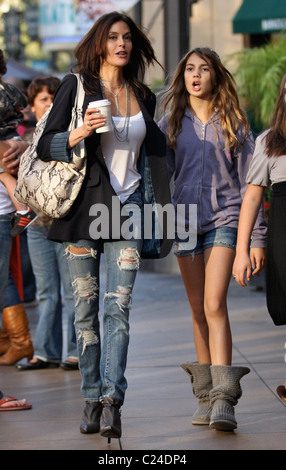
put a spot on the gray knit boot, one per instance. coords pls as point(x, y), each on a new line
point(201, 380)
point(224, 395)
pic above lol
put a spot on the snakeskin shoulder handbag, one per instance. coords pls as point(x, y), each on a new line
point(52, 187)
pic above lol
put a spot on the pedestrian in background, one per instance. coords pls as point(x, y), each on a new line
point(15, 339)
point(267, 169)
point(12, 103)
point(50, 268)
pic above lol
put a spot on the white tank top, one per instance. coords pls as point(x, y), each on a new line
point(121, 157)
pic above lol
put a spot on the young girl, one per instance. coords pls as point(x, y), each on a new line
point(210, 147)
point(268, 168)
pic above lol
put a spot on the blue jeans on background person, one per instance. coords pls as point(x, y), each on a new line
point(29, 283)
point(53, 282)
point(102, 363)
point(5, 251)
point(12, 296)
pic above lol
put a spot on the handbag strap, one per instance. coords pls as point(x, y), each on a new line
point(79, 93)
point(77, 111)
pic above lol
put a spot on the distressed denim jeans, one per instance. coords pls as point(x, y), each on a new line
point(102, 361)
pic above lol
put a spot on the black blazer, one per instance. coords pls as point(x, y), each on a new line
point(96, 187)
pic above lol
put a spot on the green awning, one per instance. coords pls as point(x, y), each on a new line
point(260, 17)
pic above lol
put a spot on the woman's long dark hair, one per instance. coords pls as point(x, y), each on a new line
point(276, 137)
point(92, 49)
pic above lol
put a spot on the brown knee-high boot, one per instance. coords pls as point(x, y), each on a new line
point(4, 340)
point(17, 326)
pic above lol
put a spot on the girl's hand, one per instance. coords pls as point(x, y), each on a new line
point(257, 257)
point(241, 270)
point(244, 265)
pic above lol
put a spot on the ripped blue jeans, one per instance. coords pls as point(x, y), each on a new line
point(102, 362)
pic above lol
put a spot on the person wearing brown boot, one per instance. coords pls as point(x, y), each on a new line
point(16, 323)
point(4, 340)
point(15, 341)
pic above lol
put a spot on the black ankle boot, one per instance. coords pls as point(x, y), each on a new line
point(90, 422)
point(110, 421)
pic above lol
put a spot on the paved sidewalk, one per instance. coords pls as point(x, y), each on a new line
point(159, 401)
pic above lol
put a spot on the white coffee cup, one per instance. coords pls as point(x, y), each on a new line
point(103, 107)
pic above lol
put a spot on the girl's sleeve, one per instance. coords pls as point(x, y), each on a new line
point(170, 156)
point(53, 142)
point(243, 156)
point(258, 238)
point(258, 173)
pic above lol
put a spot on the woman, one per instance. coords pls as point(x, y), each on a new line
point(209, 149)
point(125, 167)
point(268, 168)
point(51, 269)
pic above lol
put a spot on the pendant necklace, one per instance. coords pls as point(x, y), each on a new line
point(121, 135)
point(114, 94)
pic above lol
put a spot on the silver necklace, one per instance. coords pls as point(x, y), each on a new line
point(122, 135)
point(114, 94)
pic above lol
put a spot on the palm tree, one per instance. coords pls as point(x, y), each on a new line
point(258, 73)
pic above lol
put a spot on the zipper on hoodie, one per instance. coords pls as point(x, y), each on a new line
point(203, 131)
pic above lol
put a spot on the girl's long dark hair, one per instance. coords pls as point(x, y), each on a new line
point(92, 49)
point(224, 98)
point(276, 137)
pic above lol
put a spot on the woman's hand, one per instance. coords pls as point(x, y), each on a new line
point(93, 119)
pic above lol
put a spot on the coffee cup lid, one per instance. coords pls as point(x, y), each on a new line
point(99, 103)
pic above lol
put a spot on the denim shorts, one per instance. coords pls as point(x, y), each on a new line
point(221, 236)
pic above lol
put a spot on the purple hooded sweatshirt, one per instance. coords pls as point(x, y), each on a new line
point(212, 178)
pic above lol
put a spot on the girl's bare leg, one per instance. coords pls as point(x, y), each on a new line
point(193, 274)
point(206, 279)
point(218, 269)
